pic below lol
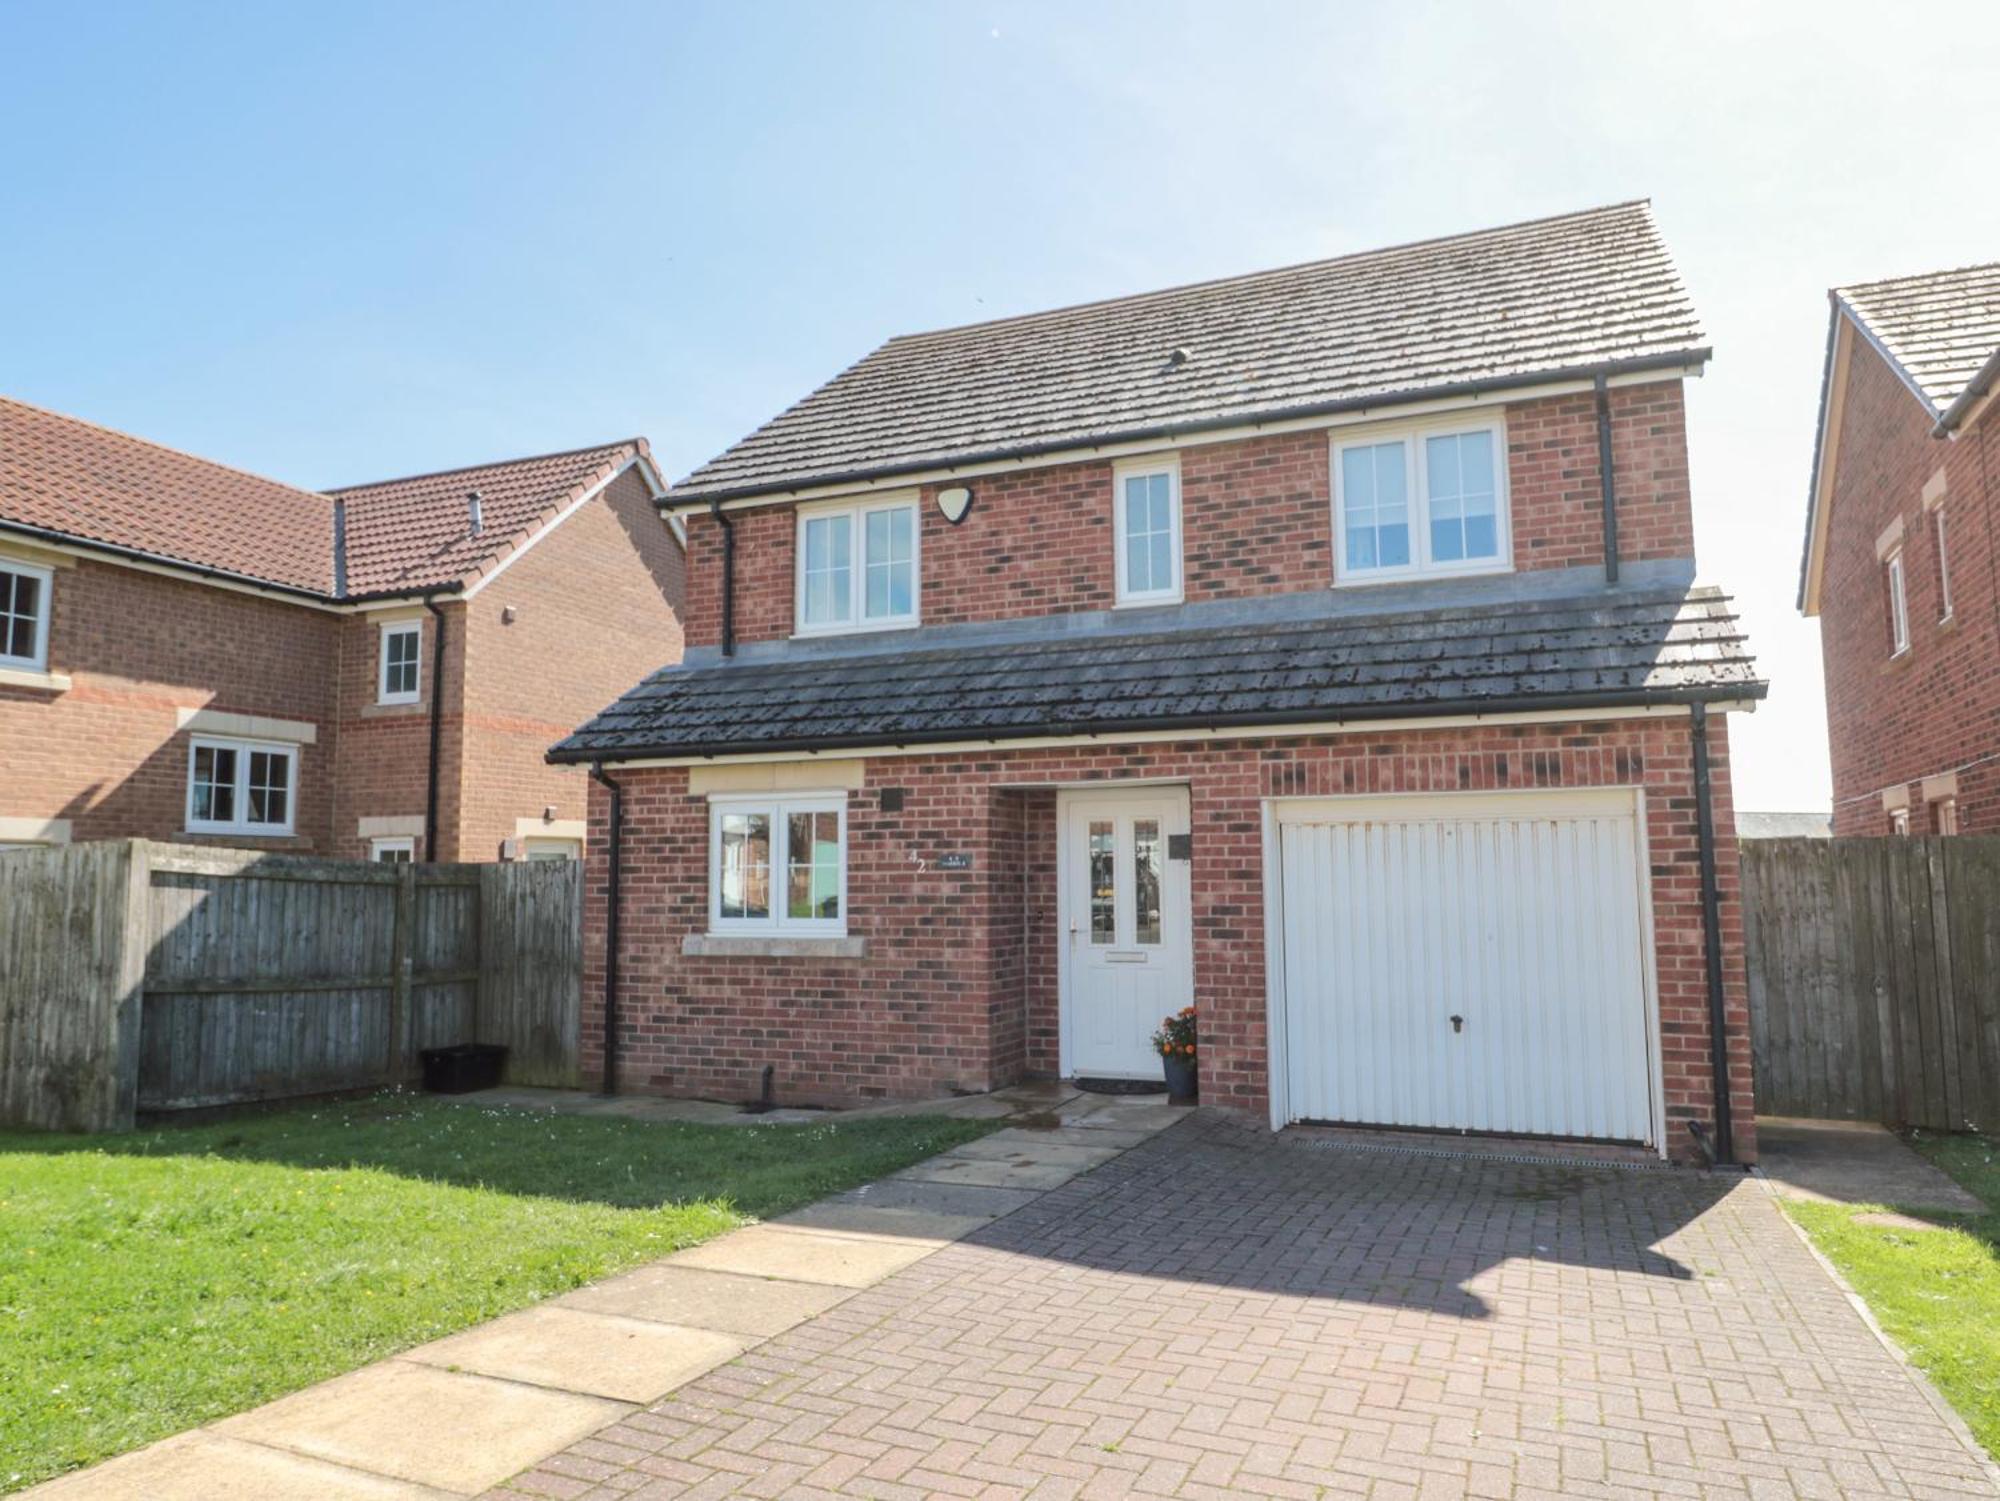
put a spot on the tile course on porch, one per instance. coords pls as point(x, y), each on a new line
point(464, 1413)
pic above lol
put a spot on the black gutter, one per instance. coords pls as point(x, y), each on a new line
point(437, 730)
point(1607, 481)
point(1276, 720)
point(612, 893)
point(728, 578)
point(692, 495)
point(1711, 922)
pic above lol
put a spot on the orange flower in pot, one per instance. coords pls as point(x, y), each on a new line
point(1175, 1043)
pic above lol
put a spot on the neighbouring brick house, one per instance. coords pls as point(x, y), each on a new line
point(1254, 644)
point(1900, 557)
point(191, 652)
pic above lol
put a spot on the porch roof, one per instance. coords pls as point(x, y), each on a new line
point(1629, 649)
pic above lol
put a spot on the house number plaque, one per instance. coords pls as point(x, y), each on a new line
point(954, 862)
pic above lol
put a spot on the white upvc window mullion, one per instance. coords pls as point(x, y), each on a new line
point(1146, 530)
point(859, 567)
point(25, 589)
point(778, 865)
point(1421, 502)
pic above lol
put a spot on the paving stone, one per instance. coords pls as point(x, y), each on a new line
point(983, 1173)
point(698, 1299)
point(1221, 1313)
point(924, 1211)
point(574, 1350)
point(449, 1429)
point(208, 1466)
point(804, 1255)
point(1013, 1145)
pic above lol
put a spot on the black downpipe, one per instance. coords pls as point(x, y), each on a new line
point(437, 730)
point(612, 894)
point(1609, 485)
point(1711, 922)
point(728, 577)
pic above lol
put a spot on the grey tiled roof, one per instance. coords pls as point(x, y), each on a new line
point(1528, 301)
point(1588, 652)
point(1940, 329)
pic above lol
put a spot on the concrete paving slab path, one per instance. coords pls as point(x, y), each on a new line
point(206, 1466)
point(696, 1299)
point(1852, 1162)
point(577, 1350)
point(800, 1255)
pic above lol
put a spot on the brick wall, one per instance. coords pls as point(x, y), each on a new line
point(137, 646)
point(958, 989)
point(1257, 519)
point(1893, 721)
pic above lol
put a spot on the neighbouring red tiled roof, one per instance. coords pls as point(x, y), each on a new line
point(79, 481)
point(415, 533)
point(68, 476)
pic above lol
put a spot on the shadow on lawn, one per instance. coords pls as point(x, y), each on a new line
point(640, 1165)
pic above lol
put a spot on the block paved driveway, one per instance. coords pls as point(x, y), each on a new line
point(1221, 1312)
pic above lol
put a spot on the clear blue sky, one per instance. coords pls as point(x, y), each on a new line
point(337, 242)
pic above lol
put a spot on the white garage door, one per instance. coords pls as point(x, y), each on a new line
point(1466, 962)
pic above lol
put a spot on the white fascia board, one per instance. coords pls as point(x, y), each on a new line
point(1168, 737)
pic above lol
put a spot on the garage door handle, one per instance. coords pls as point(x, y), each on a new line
point(1458, 1024)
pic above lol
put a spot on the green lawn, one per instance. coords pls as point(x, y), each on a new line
point(1937, 1292)
point(159, 1280)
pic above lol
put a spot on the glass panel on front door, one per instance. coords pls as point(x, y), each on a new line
point(1103, 882)
point(1146, 880)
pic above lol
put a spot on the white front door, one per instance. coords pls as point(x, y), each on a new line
point(1126, 951)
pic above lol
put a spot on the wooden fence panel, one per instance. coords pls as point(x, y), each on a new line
point(531, 967)
point(161, 977)
point(1874, 978)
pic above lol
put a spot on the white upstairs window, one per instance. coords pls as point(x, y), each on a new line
point(24, 615)
point(858, 566)
point(1147, 531)
point(400, 678)
point(1899, 604)
point(1419, 503)
point(241, 786)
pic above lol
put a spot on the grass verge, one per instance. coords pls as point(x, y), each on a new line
point(152, 1282)
point(1936, 1292)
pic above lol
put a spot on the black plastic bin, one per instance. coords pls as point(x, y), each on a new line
point(463, 1068)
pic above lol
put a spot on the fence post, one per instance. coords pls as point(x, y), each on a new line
point(402, 963)
point(128, 980)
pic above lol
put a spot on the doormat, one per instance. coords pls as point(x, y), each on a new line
point(1122, 1086)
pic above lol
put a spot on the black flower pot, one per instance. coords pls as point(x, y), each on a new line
point(1181, 1086)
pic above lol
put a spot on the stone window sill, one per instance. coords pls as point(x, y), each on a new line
point(32, 677)
point(751, 946)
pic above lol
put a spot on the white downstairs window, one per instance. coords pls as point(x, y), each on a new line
point(778, 865)
point(241, 786)
point(400, 680)
point(1427, 501)
point(24, 615)
point(858, 567)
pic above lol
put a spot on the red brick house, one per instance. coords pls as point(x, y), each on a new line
point(1320, 647)
point(1900, 553)
point(191, 652)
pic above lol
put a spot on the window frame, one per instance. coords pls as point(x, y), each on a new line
point(240, 787)
point(38, 659)
point(1896, 580)
point(391, 628)
point(1943, 565)
point(1899, 822)
point(1413, 437)
point(859, 509)
point(778, 807)
point(393, 844)
point(1125, 469)
point(1944, 810)
point(542, 847)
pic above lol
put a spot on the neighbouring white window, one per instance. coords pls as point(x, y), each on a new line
point(1899, 820)
point(1147, 531)
point(778, 865)
point(858, 567)
point(241, 786)
point(1429, 501)
point(400, 681)
point(1944, 815)
point(1943, 566)
point(1899, 605)
point(548, 847)
point(24, 614)
point(396, 851)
